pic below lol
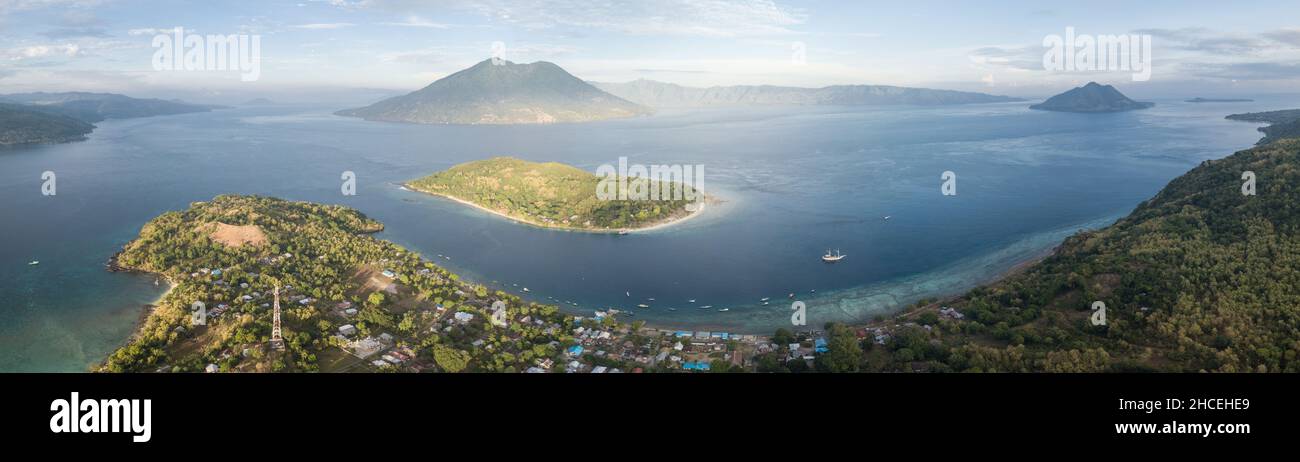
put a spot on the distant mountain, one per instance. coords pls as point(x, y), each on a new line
point(259, 102)
point(96, 107)
point(502, 92)
point(660, 94)
point(1285, 124)
point(1092, 97)
point(24, 125)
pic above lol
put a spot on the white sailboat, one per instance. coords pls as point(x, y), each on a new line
point(833, 257)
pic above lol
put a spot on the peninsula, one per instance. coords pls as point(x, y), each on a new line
point(1282, 124)
point(349, 302)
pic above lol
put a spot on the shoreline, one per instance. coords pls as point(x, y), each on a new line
point(656, 226)
point(146, 312)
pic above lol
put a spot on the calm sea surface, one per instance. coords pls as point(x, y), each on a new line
point(795, 182)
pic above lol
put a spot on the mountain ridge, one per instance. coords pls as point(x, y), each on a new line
point(663, 94)
point(501, 92)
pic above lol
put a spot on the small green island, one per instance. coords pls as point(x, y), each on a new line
point(555, 195)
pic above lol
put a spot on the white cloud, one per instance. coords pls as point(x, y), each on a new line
point(324, 26)
point(718, 18)
point(416, 21)
point(43, 51)
point(150, 31)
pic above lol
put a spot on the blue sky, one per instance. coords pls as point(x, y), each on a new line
point(1202, 47)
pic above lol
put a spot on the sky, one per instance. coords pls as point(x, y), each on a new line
point(1199, 48)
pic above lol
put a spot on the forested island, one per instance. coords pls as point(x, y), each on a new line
point(1091, 98)
point(555, 195)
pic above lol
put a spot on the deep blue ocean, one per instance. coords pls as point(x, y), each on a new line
point(794, 182)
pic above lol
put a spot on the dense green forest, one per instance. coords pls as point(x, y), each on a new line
point(25, 125)
point(1199, 278)
point(548, 194)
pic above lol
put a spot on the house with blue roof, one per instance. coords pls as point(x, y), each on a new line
point(696, 366)
point(819, 345)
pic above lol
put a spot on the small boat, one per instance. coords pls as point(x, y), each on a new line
point(886, 217)
point(642, 305)
point(705, 307)
point(832, 258)
point(622, 232)
point(672, 309)
point(723, 310)
point(155, 282)
point(651, 299)
point(526, 289)
point(691, 300)
point(791, 294)
point(34, 263)
point(764, 303)
point(764, 299)
point(627, 294)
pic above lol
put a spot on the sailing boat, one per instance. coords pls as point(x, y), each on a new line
point(832, 258)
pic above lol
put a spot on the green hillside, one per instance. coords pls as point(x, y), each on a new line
point(1198, 278)
point(24, 125)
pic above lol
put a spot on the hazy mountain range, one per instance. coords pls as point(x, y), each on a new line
point(660, 94)
point(502, 92)
point(96, 107)
point(68, 116)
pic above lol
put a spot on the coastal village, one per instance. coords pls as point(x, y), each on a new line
point(581, 344)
